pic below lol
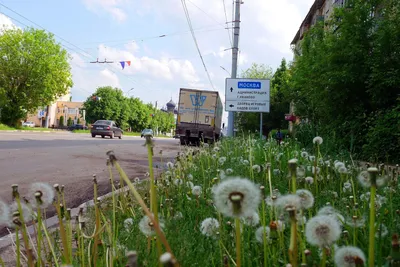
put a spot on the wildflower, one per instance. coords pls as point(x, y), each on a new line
point(252, 220)
point(196, 190)
point(256, 168)
point(349, 256)
point(190, 185)
point(304, 154)
point(170, 165)
point(146, 226)
point(300, 172)
point(128, 223)
point(237, 197)
point(289, 202)
point(309, 180)
point(44, 194)
point(330, 211)
point(322, 230)
point(306, 198)
point(229, 171)
point(339, 164)
point(317, 140)
point(26, 213)
point(221, 160)
point(209, 227)
point(261, 232)
point(178, 182)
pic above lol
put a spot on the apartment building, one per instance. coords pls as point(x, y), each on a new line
point(321, 10)
point(50, 116)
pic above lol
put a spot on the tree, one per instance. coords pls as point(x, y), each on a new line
point(61, 122)
point(107, 106)
point(347, 78)
point(69, 121)
point(279, 99)
point(34, 71)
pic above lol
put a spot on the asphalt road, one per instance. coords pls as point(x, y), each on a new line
point(71, 159)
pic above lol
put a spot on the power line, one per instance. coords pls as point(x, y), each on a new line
point(195, 40)
point(226, 21)
point(85, 54)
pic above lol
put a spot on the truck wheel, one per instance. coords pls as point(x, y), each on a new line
point(183, 141)
point(93, 135)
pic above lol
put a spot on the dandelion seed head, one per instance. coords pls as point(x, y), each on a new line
point(209, 227)
point(4, 213)
point(26, 212)
point(178, 182)
point(229, 171)
point(290, 201)
point(317, 140)
point(196, 190)
point(300, 172)
point(190, 177)
point(256, 168)
point(342, 170)
point(45, 192)
point(332, 212)
point(252, 220)
point(309, 180)
point(237, 197)
point(304, 154)
point(166, 258)
point(339, 164)
point(189, 184)
point(261, 232)
point(128, 223)
point(170, 165)
point(322, 230)
point(364, 179)
point(221, 160)
point(306, 198)
point(381, 230)
point(146, 226)
point(348, 256)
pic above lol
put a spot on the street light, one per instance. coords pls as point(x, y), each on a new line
point(129, 91)
point(225, 70)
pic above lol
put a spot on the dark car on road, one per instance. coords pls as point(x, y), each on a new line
point(77, 127)
point(106, 128)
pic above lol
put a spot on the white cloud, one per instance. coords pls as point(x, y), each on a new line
point(114, 7)
point(164, 68)
point(6, 23)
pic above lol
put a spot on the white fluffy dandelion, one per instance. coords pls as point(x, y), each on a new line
point(309, 180)
point(170, 165)
point(128, 223)
point(256, 168)
point(332, 212)
point(339, 164)
point(209, 227)
point(190, 177)
point(322, 230)
point(44, 192)
point(196, 190)
point(349, 256)
point(229, 171)
point(300, 172)
point(317, 140)
point(252, 220)
point(146, 226)
point(26, 212)
point(306, 198)
point(178, 182)
point(221, 160)
point(166, 258)
point(304, 154)
point(261, 232)
point(237, 197)
point(289, 202)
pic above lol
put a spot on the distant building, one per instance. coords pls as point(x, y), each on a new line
point(52, 113)
point(321, 10)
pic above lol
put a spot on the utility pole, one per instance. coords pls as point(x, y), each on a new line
point(235, 53)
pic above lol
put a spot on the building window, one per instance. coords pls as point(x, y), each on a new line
point(71, 111)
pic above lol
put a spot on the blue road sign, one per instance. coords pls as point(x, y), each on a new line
point(249, 85)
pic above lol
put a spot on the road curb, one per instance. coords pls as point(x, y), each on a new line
point(52, 222)
point(27, 131)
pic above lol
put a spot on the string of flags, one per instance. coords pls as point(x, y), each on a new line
point(128, 62)
point(123, 63)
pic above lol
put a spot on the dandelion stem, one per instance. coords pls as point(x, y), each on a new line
point(293, 239)
point(144, 207)
point(371, 252)
point(238, 243)
point(153, 193)
point(39, 237)
point(24, 232)
point(323, 261)
point(114, 224)
point(18, 247)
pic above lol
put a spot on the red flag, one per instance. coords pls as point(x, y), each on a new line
point(128, 62)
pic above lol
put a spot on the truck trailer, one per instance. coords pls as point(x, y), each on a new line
point(199, 116)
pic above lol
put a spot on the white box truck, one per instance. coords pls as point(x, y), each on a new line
point(199, 116)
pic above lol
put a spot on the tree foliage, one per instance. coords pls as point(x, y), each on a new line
point(279, 100)
point(126, 112)
point(348, 76)
point(34, 71)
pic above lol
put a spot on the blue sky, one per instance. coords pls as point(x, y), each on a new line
point(122, 30)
